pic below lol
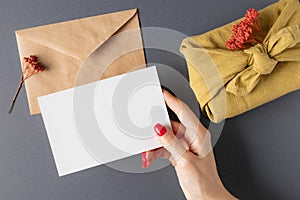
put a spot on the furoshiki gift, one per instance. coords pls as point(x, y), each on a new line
point(229, 82)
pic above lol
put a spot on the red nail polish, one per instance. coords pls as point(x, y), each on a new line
point(144, 165)
point(160, 129)
point(144, 160)
point(144, 157)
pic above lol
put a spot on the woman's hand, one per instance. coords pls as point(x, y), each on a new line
point(190, 152)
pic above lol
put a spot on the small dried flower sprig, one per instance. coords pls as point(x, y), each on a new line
point(247, 33)
point(30, 67)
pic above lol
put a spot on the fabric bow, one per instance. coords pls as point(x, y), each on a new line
point(263, 58)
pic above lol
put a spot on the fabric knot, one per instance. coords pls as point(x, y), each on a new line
point(260, 60)
point(263, 58)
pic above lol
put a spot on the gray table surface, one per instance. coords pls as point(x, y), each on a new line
point(257, 154)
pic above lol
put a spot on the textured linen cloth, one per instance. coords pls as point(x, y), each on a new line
point(230, 82)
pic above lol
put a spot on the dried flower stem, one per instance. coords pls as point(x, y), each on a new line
point(16, 95)
point(30, 67)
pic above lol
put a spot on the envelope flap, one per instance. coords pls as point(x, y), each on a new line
point(78, 38)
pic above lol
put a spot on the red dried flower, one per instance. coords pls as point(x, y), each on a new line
point(251, 15)
point(231, 44)
point(30, 67)
point(243, 32)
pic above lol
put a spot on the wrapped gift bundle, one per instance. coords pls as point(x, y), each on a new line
point(228, 82)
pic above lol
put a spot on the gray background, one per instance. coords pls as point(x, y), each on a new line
point(257, 153)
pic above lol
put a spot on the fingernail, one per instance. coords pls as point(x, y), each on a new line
point(144, 160)
point(144, 156)
point(160, 129)
point(144, 165)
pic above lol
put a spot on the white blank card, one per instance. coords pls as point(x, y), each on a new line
point(104, 121)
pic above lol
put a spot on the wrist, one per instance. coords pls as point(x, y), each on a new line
point(221, 194)
point(225, 195)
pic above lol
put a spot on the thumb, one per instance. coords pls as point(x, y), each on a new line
point(170, 142)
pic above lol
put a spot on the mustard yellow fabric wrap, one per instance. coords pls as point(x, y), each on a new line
point(230, 82)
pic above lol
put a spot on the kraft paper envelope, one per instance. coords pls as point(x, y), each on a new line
point(63, 48)
point(105, 120)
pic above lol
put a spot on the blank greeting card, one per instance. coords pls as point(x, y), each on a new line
point(104, 121)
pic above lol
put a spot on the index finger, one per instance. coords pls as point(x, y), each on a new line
point(183, 112)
